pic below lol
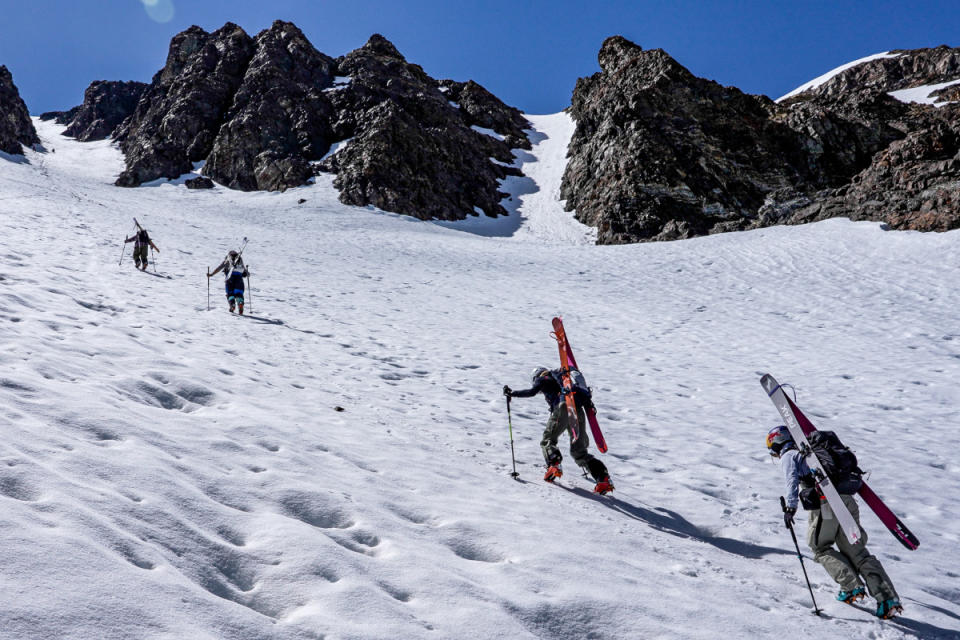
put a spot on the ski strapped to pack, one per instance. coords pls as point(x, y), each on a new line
point(591, 412)
point(567, 389)
point(883, 512)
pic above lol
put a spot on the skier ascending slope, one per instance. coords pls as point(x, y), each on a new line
point(234, 272)
point(847, 563)
point(548, 383)
point(141, 247)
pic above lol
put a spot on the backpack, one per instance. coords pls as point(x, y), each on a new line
point(576, 379)
point(142, 237)
point(838, 462)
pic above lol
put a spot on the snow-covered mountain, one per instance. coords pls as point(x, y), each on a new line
point(172, 472)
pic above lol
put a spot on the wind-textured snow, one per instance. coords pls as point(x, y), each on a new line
point(172, 472)
point(924, 94)
point(819, 80)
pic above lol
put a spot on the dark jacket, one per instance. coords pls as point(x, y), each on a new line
point(549, 386)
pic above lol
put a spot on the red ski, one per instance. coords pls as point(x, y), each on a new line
point(568, 392)
point(569, 362)
point(887, 517)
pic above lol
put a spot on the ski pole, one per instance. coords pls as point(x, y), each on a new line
point(249, 292)
point(154, 258)
point(514, 475)
point(124, 249)
point(816, 609)
point(208, 288)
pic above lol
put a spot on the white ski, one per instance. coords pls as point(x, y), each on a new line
point(834, 501)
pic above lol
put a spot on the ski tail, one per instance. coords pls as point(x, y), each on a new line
point(598, 438)
point(888, 518)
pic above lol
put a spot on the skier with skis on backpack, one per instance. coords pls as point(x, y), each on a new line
point(850, 565)
point(141, 247)
point(234, 272)
point(549, 384)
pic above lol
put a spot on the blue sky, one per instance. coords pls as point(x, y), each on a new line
point(529, 53)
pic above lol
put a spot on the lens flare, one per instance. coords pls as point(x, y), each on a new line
point(159, 10)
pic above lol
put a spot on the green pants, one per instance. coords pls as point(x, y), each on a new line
point(847, 563)
point(140, 255)
point(556, 425)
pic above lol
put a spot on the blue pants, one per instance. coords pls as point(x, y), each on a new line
point(235, 288)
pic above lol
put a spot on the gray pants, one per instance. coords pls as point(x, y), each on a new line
point(848, 562)
point(556, 425)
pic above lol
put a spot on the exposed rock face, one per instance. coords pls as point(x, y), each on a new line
point(105, 106)
point(280, 117)
point(16, 128)
point(264, 112)
point(178, 117)
point(661, 154)
point(410, 150)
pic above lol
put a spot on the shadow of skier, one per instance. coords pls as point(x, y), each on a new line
point(675, 524)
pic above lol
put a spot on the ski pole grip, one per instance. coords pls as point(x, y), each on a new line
point(783, 504)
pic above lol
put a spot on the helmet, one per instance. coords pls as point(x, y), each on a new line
point(539, 371)
point(233, 254)
point(778, 438)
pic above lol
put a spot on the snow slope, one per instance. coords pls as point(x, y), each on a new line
point(169, 472)
point(820, 80)
point(924, 94)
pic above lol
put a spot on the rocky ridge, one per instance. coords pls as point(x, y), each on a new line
point(16, 128)
point(660, 154)
point(263, 114)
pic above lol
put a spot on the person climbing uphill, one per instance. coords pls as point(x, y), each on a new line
point(141, 248)
point(234, 272)
point(850, 565)
point(548, 382)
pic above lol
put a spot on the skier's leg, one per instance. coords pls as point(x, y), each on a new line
point(579, 450)
point(551, 454)
point(878, 582)
point(821, 535)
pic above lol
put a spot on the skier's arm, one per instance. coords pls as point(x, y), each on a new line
point(218, 269)
point(154, 246)
point(528, 393)
point(130, 239)
point(790, 464)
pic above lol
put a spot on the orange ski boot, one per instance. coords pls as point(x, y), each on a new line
point(604, 486)
point(553, 472)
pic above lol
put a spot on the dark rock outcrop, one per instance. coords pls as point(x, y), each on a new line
point(280, 117)
point(16, 128)
point(264, 112)
point(106, 104)
point(61, 117)
point(178, 116)
point(661, 154)
point(410, 150)
point(199, 182)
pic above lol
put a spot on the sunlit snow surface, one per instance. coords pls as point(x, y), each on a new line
point(819, 80)
point(924, 94)
point(169, 472)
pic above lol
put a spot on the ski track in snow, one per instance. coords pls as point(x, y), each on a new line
point(169, 472)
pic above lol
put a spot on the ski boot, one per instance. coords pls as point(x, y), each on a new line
point(232, 306)
point(240, 308)
point(889, 608)
point(859, 593)
point(553, 472)
point(604, 486)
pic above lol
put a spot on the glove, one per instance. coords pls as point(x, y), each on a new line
point(507, 391)
point(788, 514)
point(246, 274)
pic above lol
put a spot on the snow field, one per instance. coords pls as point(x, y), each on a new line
point(169, 472)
